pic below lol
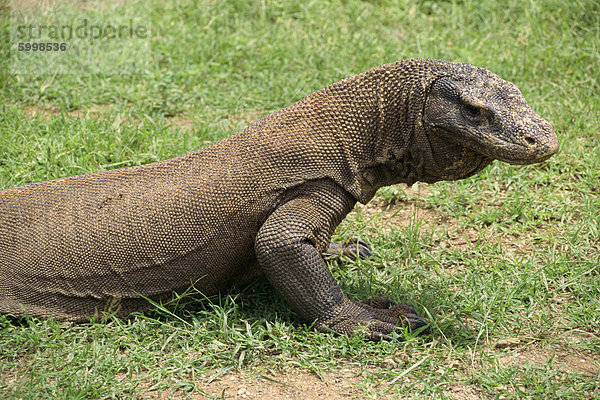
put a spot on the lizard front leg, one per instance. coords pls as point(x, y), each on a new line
point(289, 248)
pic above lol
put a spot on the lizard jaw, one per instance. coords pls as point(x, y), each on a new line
point(529, 151)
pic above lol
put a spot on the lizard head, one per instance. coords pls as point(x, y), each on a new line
point(478, 114)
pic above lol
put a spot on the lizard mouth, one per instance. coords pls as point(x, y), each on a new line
point(511, 152)
point(483, 162)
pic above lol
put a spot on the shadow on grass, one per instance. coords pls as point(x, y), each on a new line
point(259, 304)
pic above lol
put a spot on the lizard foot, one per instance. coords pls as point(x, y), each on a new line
point(354, 248)
point(378, 317)
point(386, 310)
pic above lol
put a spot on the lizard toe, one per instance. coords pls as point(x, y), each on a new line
point(401, 314)
point(353, 248)
point(378, 336)
point(356, 248)
point(379, 302)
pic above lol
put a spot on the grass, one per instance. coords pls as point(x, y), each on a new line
point(506, 264)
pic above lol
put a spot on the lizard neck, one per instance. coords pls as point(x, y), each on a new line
point(396, 152)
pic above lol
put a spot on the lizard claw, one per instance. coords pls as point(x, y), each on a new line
point(378, 336)
point(354, 248)
point(407, 313)
point(386, 310)
point(357, 248)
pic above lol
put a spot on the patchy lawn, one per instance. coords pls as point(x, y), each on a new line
point(506, 264)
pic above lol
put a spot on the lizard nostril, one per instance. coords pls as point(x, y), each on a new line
point(530, 141)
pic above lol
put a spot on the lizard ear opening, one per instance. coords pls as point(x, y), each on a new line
point(448, 106)
point(442, 108)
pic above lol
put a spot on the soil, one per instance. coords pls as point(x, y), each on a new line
point(297, 384)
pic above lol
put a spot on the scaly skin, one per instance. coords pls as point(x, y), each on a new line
point(262, 201)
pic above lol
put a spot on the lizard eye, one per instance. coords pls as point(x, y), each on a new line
point(471, 112)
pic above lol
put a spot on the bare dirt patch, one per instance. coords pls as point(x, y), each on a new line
point(462, 392)
point(291, 385)
point(384, 216)
point(93, 111)
point(40, 5)
point(46, 112)
point(26, 4)
point(400, 214)
point(448, 231)
point(181, 121)
point(242, 119)
point(232, 122)
point(275, 385)
point(299, 384)
point(567, 360)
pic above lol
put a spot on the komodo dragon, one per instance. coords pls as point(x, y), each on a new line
point(263, 201)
